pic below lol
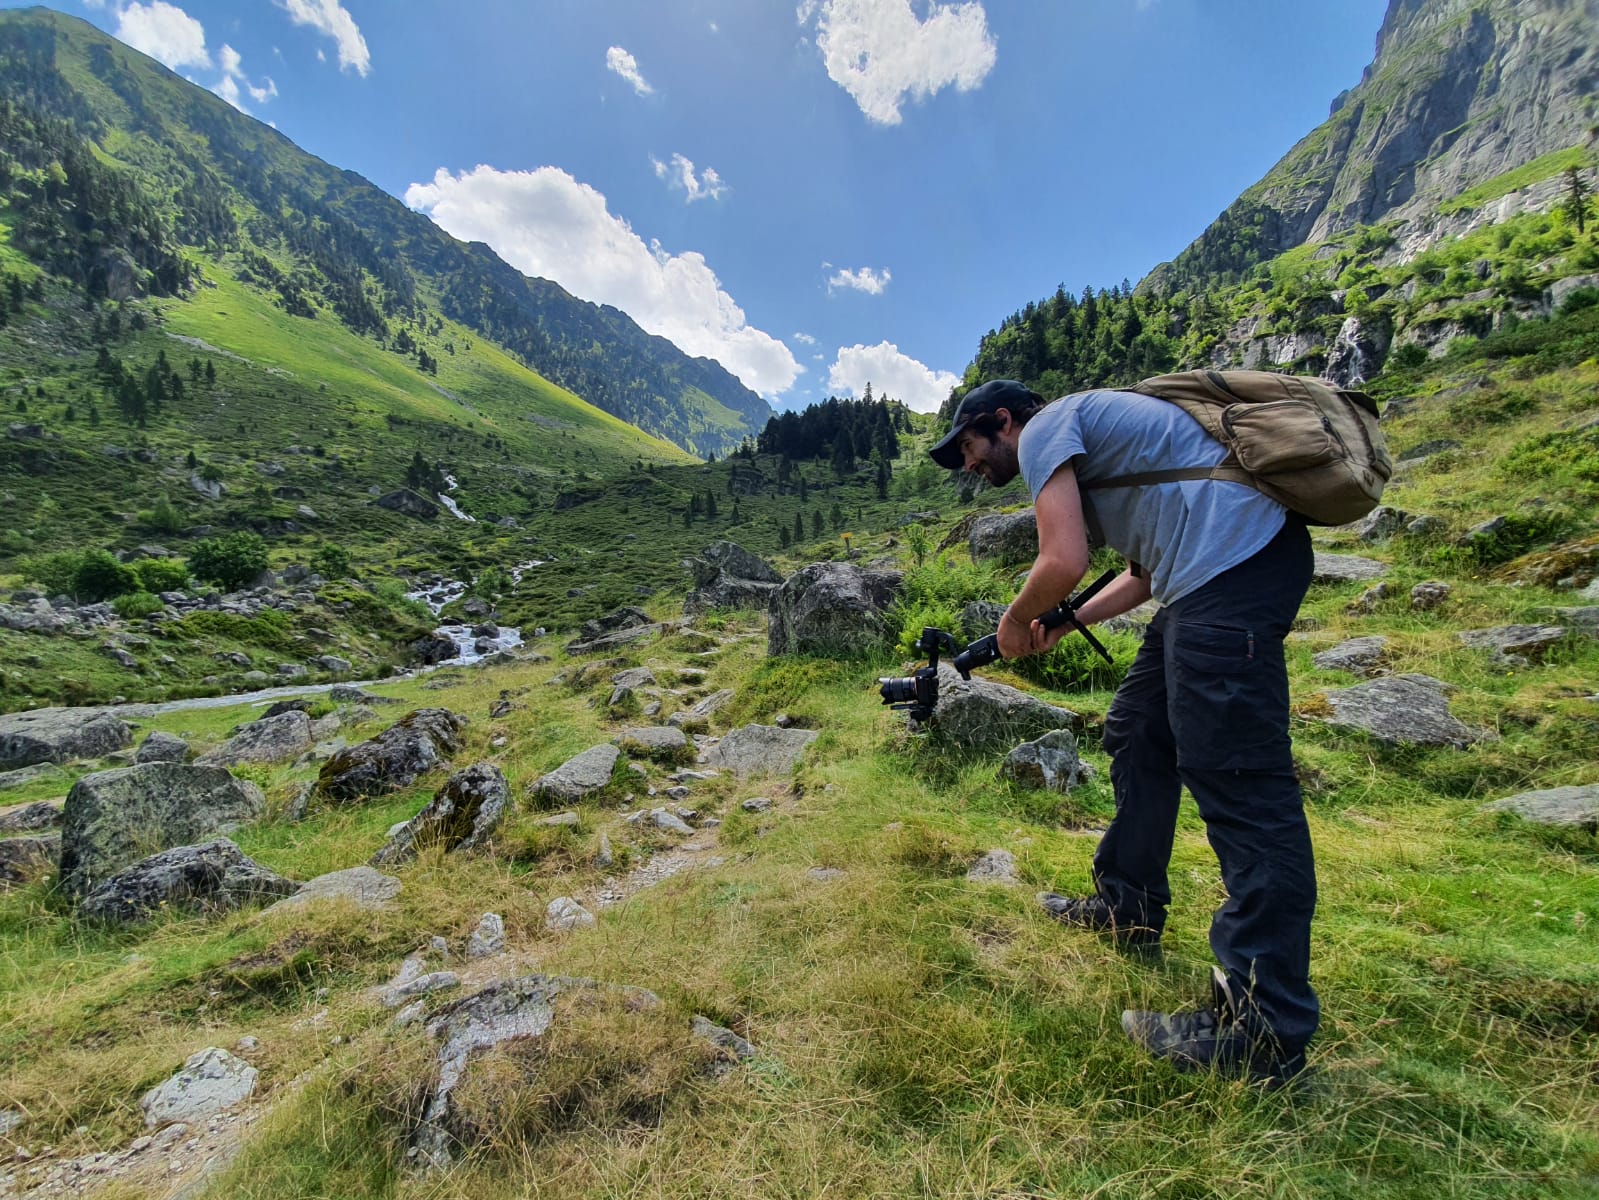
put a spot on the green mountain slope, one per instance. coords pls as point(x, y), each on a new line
point(320, 239)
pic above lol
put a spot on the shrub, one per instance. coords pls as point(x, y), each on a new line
point(163, 516)
point(53, 572)
point(162, 574)
point(229, 562)
point(1578, 300)
point(1408, 357)
point(99, 576)
point(132, 605)
point(331, 561)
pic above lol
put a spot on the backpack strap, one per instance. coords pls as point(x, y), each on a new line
point(1178, 475)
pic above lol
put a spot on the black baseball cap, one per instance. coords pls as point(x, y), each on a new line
point(983, 400)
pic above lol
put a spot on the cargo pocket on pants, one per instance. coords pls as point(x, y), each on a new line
point(1227, 698)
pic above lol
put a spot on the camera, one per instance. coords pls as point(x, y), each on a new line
point(917, 694)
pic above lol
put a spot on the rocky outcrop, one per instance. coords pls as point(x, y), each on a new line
point(1405, 710)
point(415, 744)
point(462, 815)
point(268, 740)
point(616, 629)
point(1050, 763)
point(1008, 538)
point(211, 1081)
point(832, 609)
point(213, 877)
point(56, 735)
point(578, 777)
point(409, 504)
point(985, 717)
point(114, 818)
point(363, 887)
point(1574, 807)
point(759, 750)
point(728, 576)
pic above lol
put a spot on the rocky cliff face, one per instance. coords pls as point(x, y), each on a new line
point(1460, 91)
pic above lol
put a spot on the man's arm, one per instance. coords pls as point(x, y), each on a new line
point(1127, 591)
point(1062, 559)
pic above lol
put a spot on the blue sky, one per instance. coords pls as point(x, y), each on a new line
point(816, 193)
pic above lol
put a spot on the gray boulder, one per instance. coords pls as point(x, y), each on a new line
point(433, 649)
point(211, 1081)
point(26, 775)
point(1049, 763)
point(833, 609)
point(1515, 645)
point(1404, 710)
point(981, 618)
point(1429, 596)
point(114, 818)
point(702, 709)
point(1380, 524)
point(615, 630)
point(651, 739)
point(415, 744)
point(268, 740)
point(364, 887)
point(1358, 656)
point(55, 735)
point(24, 859)
point(994, 866)
point(728, 576)
point(1009, 538)
point(759, 750)
point(488, 939)
point(1346, 568)
point(162, 747)
point(1562, 807)
point(30, 818)
point(462, 815)
point(579, 776)
point(213, 877)
point(408, 503)
point(985, 717)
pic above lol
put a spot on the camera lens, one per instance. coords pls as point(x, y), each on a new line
point(897, 691)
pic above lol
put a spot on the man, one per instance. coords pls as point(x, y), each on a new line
point(1205, 703)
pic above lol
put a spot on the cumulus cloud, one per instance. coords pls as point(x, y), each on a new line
point(234, 79)
point(805, 339)
point(546, 223)
point(165, 32)
point(625, 65)
point(890, 373)
point(864, 280)
point(881, 53)
point(679, 173)
point(331, 18)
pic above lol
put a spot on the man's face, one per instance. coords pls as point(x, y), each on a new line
point(993, 456)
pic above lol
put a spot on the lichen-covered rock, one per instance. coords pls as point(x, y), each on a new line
point(213, 877)
point(1049, 763)
point(1008, 538)
point(271, 739)
point(982, 716)
point(579, 776)
point(30, 818)
point(24, 859)
point(1575, 807)
point(1515, 645)
point(1346, 568)
point(832, 609)
point(759, 750)
point(56, 735)
point(1404, 710)
point(1358, 656)
point(364, 887)
point(162, 747)
point(211, 1081)
point(114, 818)
point(462, 815)
point(415, 744)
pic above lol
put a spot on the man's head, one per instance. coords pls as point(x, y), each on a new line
point(987, 424)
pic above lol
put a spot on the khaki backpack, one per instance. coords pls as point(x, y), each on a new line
point(1312, 447)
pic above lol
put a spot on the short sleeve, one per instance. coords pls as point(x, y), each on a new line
point(1050, 439)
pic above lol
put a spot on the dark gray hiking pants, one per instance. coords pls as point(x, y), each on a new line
point(1206, 705)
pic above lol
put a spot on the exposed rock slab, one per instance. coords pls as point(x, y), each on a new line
point(1346, 568)
point(23, 776)
point(759, 750)
point(271, 739)
point(1358, 656)
point(162, 747)
point(462, 815)
point(579, 776)
point(702, 709)
point(1404, 710)
point(30, 818)
point(1050, 763)
point(415, 744)
point(56, 735)
point(211, 1081)
point(652, 739)
point(979, 715)
point(728, 576)
point(215, 876)
point(1515, 645)
point(365, 887)
point(994, 866)
point(1574, 807)
point(832, 609)
point(114, 818)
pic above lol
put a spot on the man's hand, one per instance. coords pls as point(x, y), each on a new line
point(1015, 638)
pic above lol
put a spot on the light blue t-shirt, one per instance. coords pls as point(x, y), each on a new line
point(1183, 534)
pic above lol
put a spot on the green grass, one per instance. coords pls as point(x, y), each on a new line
point(1546, 166)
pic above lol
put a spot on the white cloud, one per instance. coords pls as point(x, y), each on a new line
point(625, 65)
point(233, 78)
point(331, 18)
point(865, 280)
point(805, 339)
point(891, 374)
point(546, 223)
point(880, 52)
point(679, 173)
point(165, 32)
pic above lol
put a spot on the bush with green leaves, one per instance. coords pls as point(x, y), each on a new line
point(331, 561)
point(132, 605)
point(162, 574)
point(229, 562)
point(53, 572)
point(99, 576)
point(163, 516)
point(934, 595)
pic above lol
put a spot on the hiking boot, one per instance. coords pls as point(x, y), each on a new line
point(1215, 1039)
point(1091, 912)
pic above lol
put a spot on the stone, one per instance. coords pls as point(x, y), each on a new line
point(756, 804)
point(26, 775)
point(211, 1081)
point(267, 740)
point(1515, 645)
point(831, 609)
point(1049, 763)
point(635, 677)
point(1358, 656)
point(651, 740)
point(728, 576)
point(565, 914)
point(25, 859)
point(1346, 568)
point(114, 818)
point(213, 877)
point(1575, 807)
point(1380, 524)
point(488, 938)
point(415, 744)
point(731, 1049)
point(162, 747)
point(565, 820)
point(1429, 596)
point(30, 818)
point(702, 709)
point(348, 693)
point(462, 815)
point(1009, 539)
point(759, 750)
point(1371, 598)
point(411, 980)
point(1403, 710)
point(408, 503)
point(1584, 618)
point(579, 776)
point(58, 735)
point(619, 627)
point(433, 649)
point(994, 866)
point(662, 819)
point(982, 716)
point(365, 887)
